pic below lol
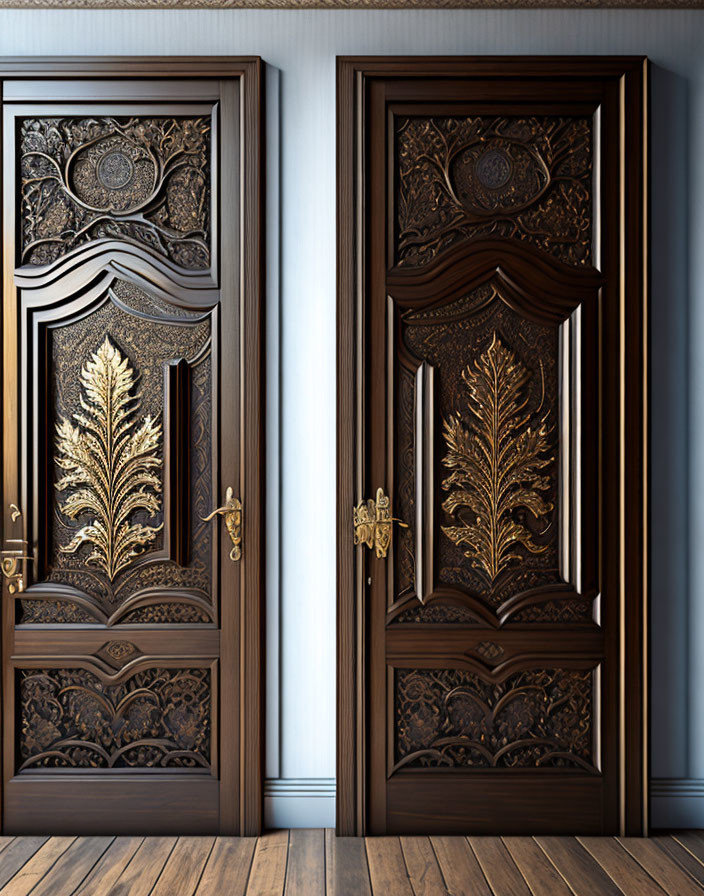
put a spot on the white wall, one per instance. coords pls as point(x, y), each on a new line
point(300, 48)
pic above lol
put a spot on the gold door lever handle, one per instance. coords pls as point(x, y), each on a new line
point(231, 511)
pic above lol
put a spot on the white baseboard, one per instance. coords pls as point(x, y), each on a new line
point(299, 803)
point(677, 803)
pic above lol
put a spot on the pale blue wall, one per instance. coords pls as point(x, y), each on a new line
point(300, 48)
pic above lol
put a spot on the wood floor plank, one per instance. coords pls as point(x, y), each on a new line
point(268, 874)
point(73, 866)
point(305, 874)
point(346, 869)
point(387, 868)
point(227, 869)
point(539, 872)
point(113, 862)
point(659, 865)
point(685, 849)
point(461, 870)
point(693, 841)
point(16, 853)
point(141, 874)
point(621, 867)
point(499, 868)
point(582, 872)
point(183, 869)
point(422, 866)
point(5, 842)
point(36, 867)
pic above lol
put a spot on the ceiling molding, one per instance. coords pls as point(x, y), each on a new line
point(352, 4)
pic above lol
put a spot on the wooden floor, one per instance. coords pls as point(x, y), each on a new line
point(314, 862)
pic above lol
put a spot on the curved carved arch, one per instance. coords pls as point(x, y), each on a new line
point(536, 285)
point(500, 672)
point(75, 273)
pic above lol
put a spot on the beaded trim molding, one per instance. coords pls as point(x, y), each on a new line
point(351, 4)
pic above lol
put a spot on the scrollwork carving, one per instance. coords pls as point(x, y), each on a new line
point(537, 718)
point(156, 718)
point(526, 178)
point(146, 180)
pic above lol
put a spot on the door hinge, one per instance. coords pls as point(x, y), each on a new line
point(373, 522)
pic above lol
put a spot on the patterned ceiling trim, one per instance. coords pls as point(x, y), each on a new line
point(351, 4)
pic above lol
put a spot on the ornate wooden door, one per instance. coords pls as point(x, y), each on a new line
point(491, 435)
point(131, 447)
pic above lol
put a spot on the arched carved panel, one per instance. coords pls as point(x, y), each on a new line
point(115, 430)
point(499, 420)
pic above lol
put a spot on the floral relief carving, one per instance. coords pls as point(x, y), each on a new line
point(489, 650)
point(528, 179)
point(145, 180)
point(453, 718)
point(156, 718)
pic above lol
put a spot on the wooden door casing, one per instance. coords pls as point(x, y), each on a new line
point(132, 678)
point(491, 223)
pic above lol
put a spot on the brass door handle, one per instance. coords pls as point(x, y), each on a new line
point(12, 559)
point(231, 511)
point(373, 522)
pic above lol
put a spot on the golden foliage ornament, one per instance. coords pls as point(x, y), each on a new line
point(498, 465)
point(110, 461)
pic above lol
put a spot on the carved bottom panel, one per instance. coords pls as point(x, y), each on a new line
point(156, 718)
point(537, 718)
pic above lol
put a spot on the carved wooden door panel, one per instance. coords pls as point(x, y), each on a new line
point(131, 511)
point(501, 603)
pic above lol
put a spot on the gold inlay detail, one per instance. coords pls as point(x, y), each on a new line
point(110, 462)
point(498, 464)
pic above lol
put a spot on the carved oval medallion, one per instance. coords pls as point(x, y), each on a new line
point(113, 174)
point(115, 170)
point(494, 169)
point(497, 176)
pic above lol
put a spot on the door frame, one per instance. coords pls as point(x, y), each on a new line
point(354, 76)
point(245, 815)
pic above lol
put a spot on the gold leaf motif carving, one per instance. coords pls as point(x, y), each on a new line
point(498, 464)
point(110, 461)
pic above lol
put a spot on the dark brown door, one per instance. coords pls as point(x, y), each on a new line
point(492, 306)
point(131, 446)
